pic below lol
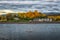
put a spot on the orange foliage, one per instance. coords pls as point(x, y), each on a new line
point(30, 14)
point(36, 13)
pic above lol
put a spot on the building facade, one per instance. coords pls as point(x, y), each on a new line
point(43, 19)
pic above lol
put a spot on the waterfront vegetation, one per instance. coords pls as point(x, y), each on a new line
point(27, 17)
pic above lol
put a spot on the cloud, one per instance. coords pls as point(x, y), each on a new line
point(21, 2)
point(27, 2)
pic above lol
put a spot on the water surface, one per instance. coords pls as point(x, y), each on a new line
point(30, 31)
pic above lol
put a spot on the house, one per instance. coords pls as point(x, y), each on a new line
point(43, 19)
point(16, 18)
point(53, 16)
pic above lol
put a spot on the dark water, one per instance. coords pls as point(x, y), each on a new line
point(29, 31)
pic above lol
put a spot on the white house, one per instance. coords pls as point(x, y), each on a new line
point(16, 18)
point(43, 19)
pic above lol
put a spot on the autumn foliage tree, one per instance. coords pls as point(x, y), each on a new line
point(21, 15)
point(37, 14)
point(30, 15)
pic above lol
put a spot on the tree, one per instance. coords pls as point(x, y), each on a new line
point(9, 16)
point(37, 14)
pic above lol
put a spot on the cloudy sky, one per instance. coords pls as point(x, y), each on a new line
point(40, 5)
point(19, 0)
point(29, 0)
point(26, 1)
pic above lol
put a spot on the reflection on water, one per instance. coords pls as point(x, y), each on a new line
point(30, 31)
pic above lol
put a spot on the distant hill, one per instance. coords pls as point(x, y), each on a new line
point(52, 13)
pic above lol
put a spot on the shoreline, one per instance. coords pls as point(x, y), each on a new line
point(30, 23)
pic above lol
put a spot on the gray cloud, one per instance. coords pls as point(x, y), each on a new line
point(29, 0)
point(19, 0)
